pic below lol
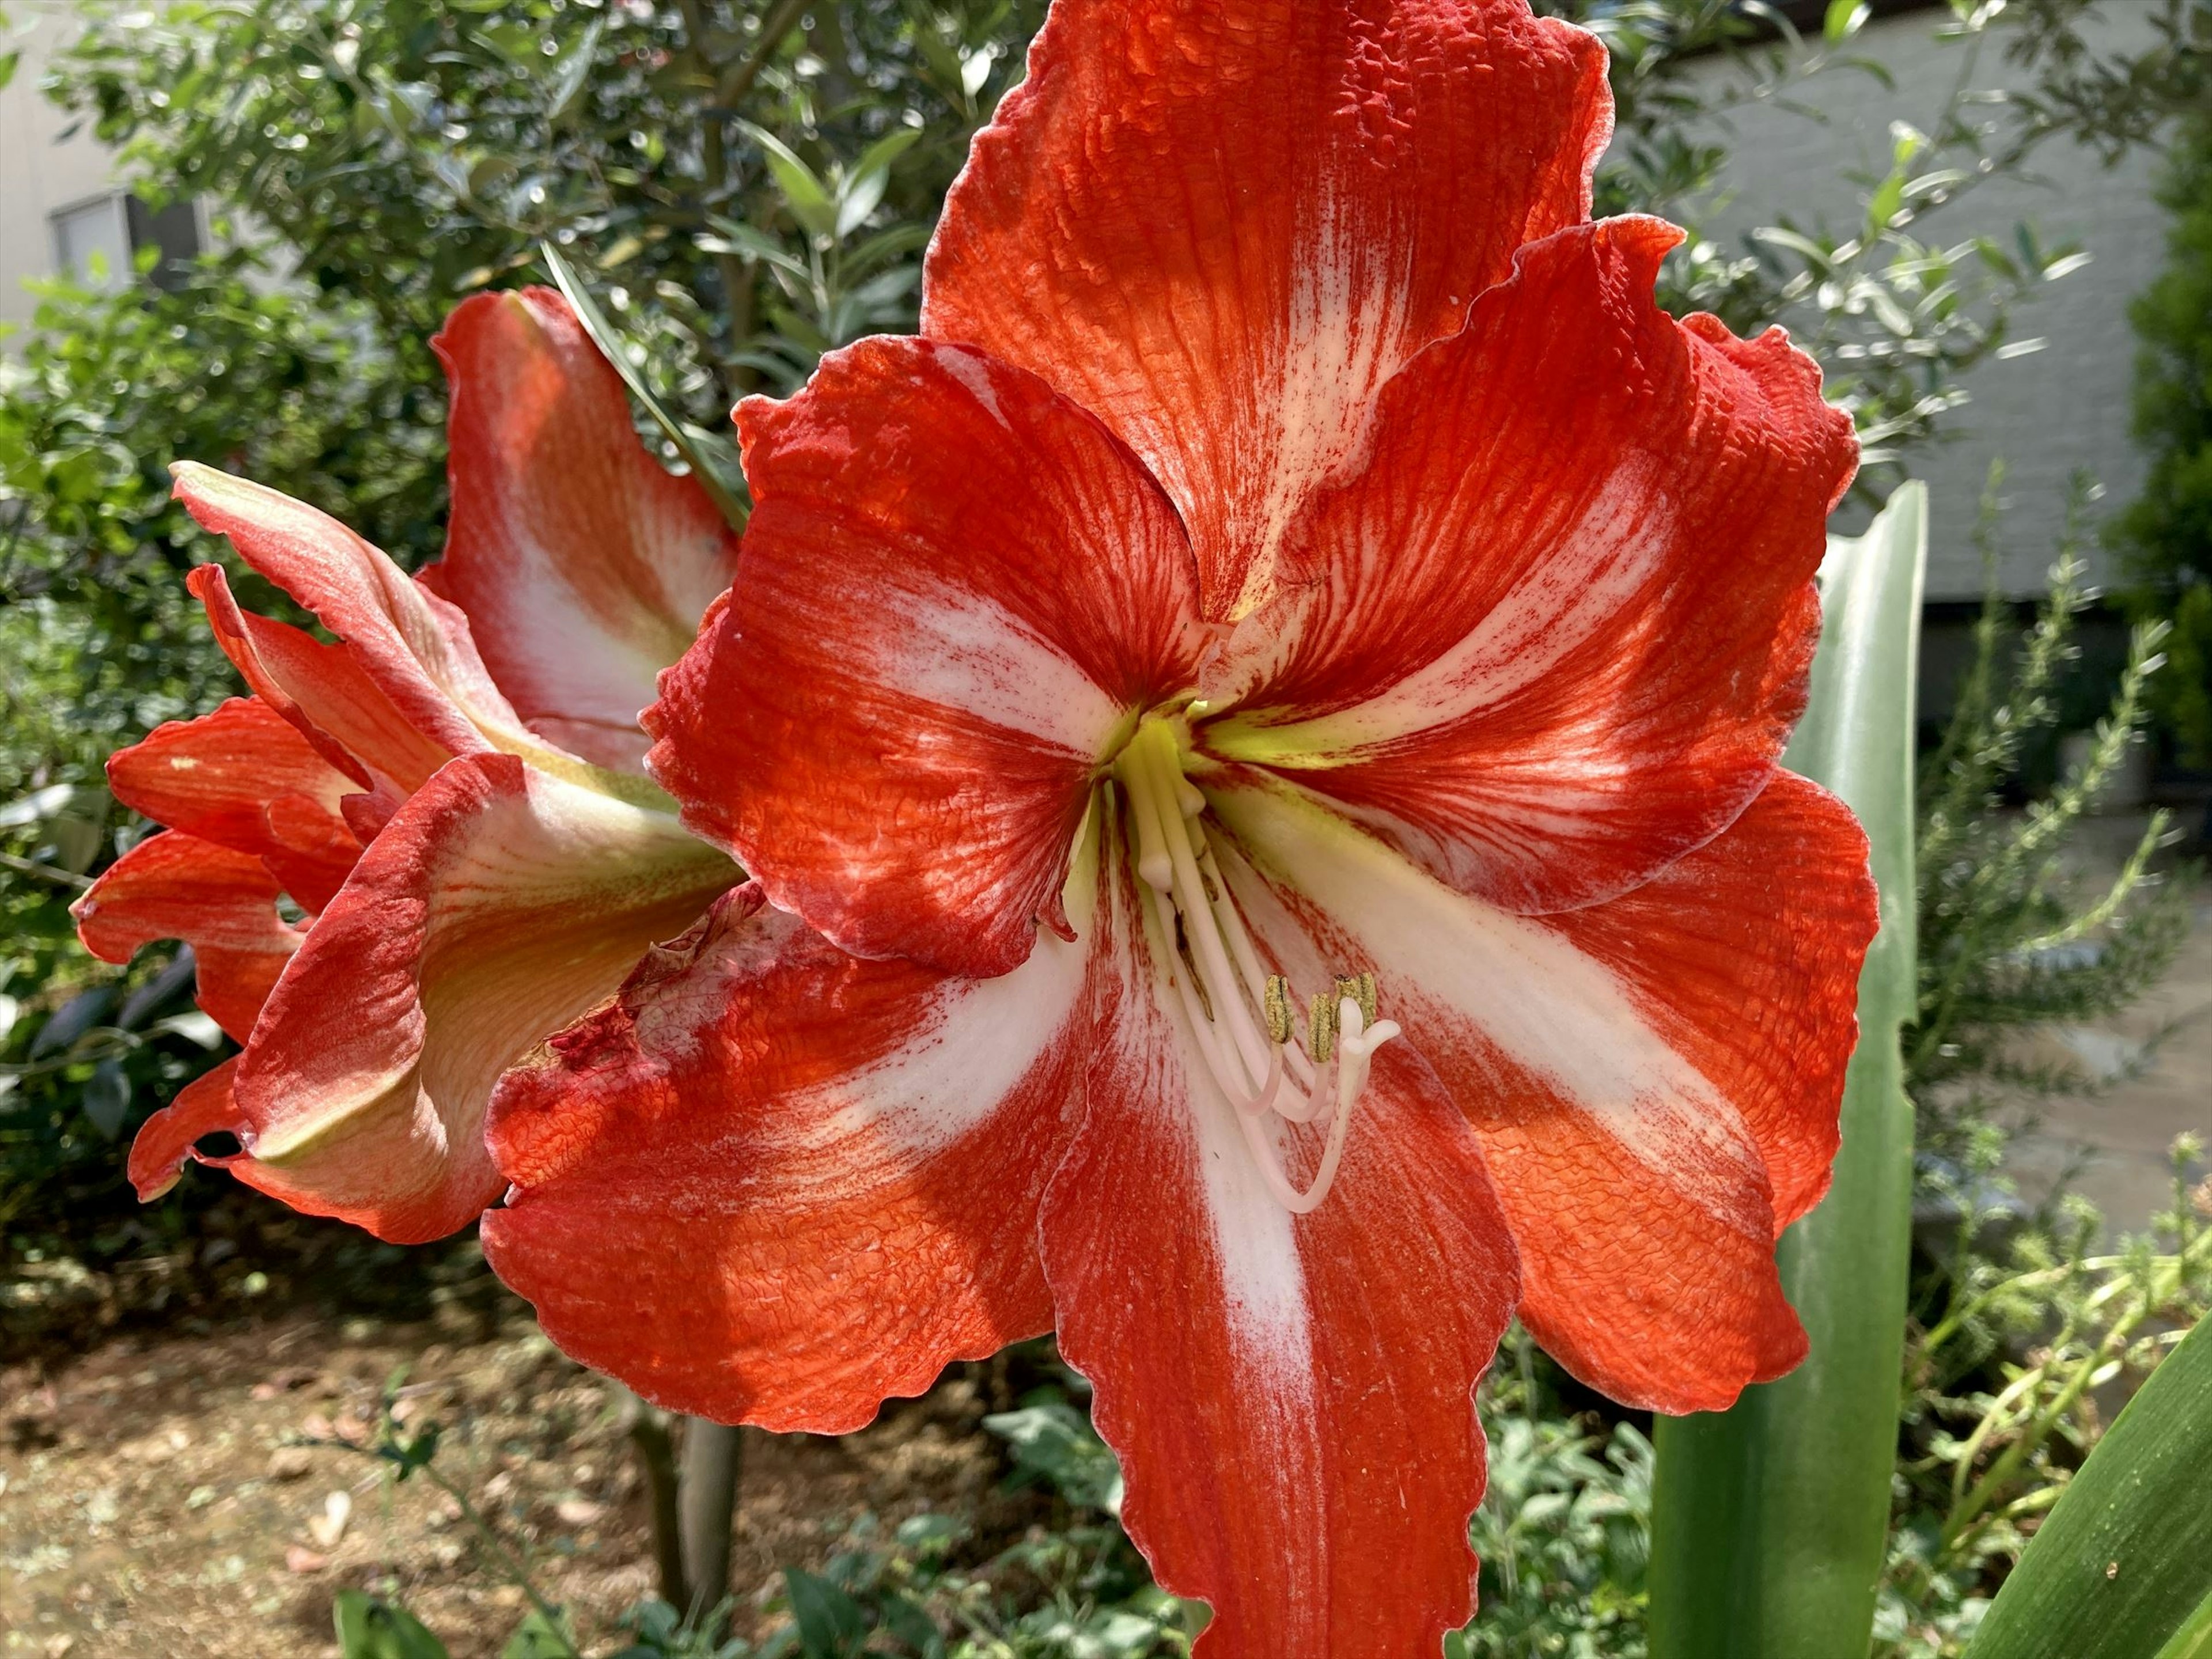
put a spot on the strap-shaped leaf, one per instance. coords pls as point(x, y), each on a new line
point(2122, 1568)
point(609, 344)
point(1769, 1520)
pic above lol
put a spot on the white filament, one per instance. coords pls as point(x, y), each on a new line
point(1222, 995)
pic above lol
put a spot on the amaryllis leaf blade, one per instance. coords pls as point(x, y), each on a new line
point(1770, 1520)
point(2123, 1565)
point(610, 343)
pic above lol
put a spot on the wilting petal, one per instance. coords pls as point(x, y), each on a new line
point(1222, 229)
point(497, 905)
point(1559, 626)
point(244, 778)
point(1310, 1377)
point(220, 901)
point(775, 1184)
point(957, 588)
point(1631, 1076)
point(415, 645)
point(584, 565)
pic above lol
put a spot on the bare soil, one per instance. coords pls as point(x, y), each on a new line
point(156, 1502)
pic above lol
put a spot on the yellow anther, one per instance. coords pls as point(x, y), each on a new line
point(1276, 1002)
point(1321, 1028)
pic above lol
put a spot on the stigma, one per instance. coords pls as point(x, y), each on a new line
point(1271, 1066)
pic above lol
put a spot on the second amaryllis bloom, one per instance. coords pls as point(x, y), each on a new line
point(1256, 739)
point(416, 851)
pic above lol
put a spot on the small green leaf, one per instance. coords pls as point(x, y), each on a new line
point(107, 1098)
point(1843, 20)
point(831, 1624)
point(1056, 1443)
point(369, 1628)
point(534, 1638)
point(805, 195)
point(575, 72)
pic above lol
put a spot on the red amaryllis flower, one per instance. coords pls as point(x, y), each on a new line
point(450, 797)
point(1261, 730)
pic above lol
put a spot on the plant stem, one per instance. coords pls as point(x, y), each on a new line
point(647, 1429)
point(706, 1496)
point(512, 1566)
point(44, 872)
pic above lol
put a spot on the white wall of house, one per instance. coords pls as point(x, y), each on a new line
point(2063, 407)
point(56, 193)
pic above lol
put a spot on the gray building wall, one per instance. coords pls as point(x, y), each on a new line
point(46, 170)
point(2063, 407)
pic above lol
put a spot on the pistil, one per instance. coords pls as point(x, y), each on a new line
point(1238, 1013)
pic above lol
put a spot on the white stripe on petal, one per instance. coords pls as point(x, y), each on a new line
point(967, 651)
point(1550, 1009)
point(977, 1040)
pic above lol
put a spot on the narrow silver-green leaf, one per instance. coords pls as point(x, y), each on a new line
point(2122, 1567)
point(1769, 1521)
point(609, 344)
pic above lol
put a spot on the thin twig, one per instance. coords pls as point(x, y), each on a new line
point(45, 872)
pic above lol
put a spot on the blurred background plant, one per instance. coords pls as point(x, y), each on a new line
point(742, 185)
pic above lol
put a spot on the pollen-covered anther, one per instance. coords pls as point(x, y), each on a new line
point(1239, 1015)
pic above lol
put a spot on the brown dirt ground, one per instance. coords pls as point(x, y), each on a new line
point(154, 1503)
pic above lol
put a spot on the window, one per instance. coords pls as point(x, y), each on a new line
point(96, 241)
point(92, 242)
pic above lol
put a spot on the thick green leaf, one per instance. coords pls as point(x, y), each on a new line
point(831, 1624)
point(2122, 1568)
point(609, 344)
point(2194, 1639)
point(1769, 1520)
point(372, 1629)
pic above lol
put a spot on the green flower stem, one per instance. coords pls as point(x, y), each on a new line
point(1769, 1521)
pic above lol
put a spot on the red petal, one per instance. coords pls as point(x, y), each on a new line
point(1292, 1397)
point(220, 901)
point(414, 646)
point(203, 1107)
point(1223, 228)
point(1562, 622)
point(244, 778)
point(583, 564)
point(329, 700)
point(1745, 955)
point(775, 1184)
point(957, 586)
point(1631, 1076)
point(497, 905)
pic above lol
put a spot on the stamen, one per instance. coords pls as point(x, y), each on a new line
point(1239, 1014)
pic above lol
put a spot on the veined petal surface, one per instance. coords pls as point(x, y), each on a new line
point(1221, 229)
point(775, 1184)
point(1654, 1083)
point(326, 694)
point(1556, 631)
point(244, 778)
point(496, 906)
point(1292, 1397)
point(220, 901)
point(415, 645)
point(957, 588)
point(582, 563)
